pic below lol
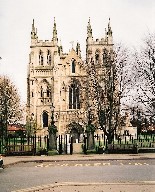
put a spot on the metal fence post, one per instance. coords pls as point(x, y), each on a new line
point(66, 144)
point(71, 146)
point(84, 146)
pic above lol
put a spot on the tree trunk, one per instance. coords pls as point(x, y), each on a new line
point(90, 137)
point(52, 142)
point(110, 138)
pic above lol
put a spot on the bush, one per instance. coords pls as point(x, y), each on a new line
point(42, 151)
point(53, 152)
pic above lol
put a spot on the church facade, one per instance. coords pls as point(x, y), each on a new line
point(59, 83)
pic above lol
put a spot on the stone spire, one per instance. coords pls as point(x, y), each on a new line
point(89, 29)
point(60, 48)
point(34, 31)
point(78, 50)
point(55, 39)
point(109, 34)
point(109, 29)
point(105, 33)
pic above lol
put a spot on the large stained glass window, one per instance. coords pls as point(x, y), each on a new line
point(74, 101)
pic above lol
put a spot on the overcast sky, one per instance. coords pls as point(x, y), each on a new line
point(131, 20)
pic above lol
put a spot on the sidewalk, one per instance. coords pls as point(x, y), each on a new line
point(95, 187)
point(10, 160)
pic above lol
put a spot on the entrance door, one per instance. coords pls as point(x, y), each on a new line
point(75, 135)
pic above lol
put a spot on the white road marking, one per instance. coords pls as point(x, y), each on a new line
point(146, 164)
point(80, 165)
point(106, 163)
point(138, 164)
point(64, 165)
point(87, 164)
point(97, 164)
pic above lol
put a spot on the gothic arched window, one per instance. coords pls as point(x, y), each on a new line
point(73, 66)
point(41, 92)
point(45, 119)
point(105, 55)
point(48, 92)
point(74, 102)
point(48, 57)
point(41, 59)
point(97, 56)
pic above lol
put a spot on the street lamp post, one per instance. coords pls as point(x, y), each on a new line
point(90, 129)
point(1, 133)
point(52, 129)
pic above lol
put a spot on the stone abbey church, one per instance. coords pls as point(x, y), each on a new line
point(59, 83)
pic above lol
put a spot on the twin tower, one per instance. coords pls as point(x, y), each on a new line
point(58, 83)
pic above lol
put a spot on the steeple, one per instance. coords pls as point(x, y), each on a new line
point(105, 33)
point(109, 29)
point(89, 29)
point(33, 28)
point(109, 34)
point(34, 32)
point(78, 50)
point(55, 39)
point(60, 48)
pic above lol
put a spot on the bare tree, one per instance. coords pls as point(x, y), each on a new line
point(125, 72)
point(103, 95)
point(10, 110)
point(110, 108)
point(109, 86)
point(145, 62)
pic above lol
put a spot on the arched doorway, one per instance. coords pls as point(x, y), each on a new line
point(74, 133)
point(45, 119)
point(75, 130)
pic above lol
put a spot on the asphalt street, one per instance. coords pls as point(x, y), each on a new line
point(119, 171)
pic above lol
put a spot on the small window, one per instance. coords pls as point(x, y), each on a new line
point(41, 59)
point(48, 57)
point(73, 66)
point(97, 57)
point(32, 94)
point(41, 92)
point(48, 93)
point(50, 60)
point(45, 119)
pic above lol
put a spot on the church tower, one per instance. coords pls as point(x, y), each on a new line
point(54, 79)
point(95, 48)
point(40, 77)
point(102, 79)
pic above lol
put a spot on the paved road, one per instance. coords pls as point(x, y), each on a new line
point(28, 175)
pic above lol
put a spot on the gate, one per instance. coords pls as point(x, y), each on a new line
point(65, 144)
point(24, 145)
